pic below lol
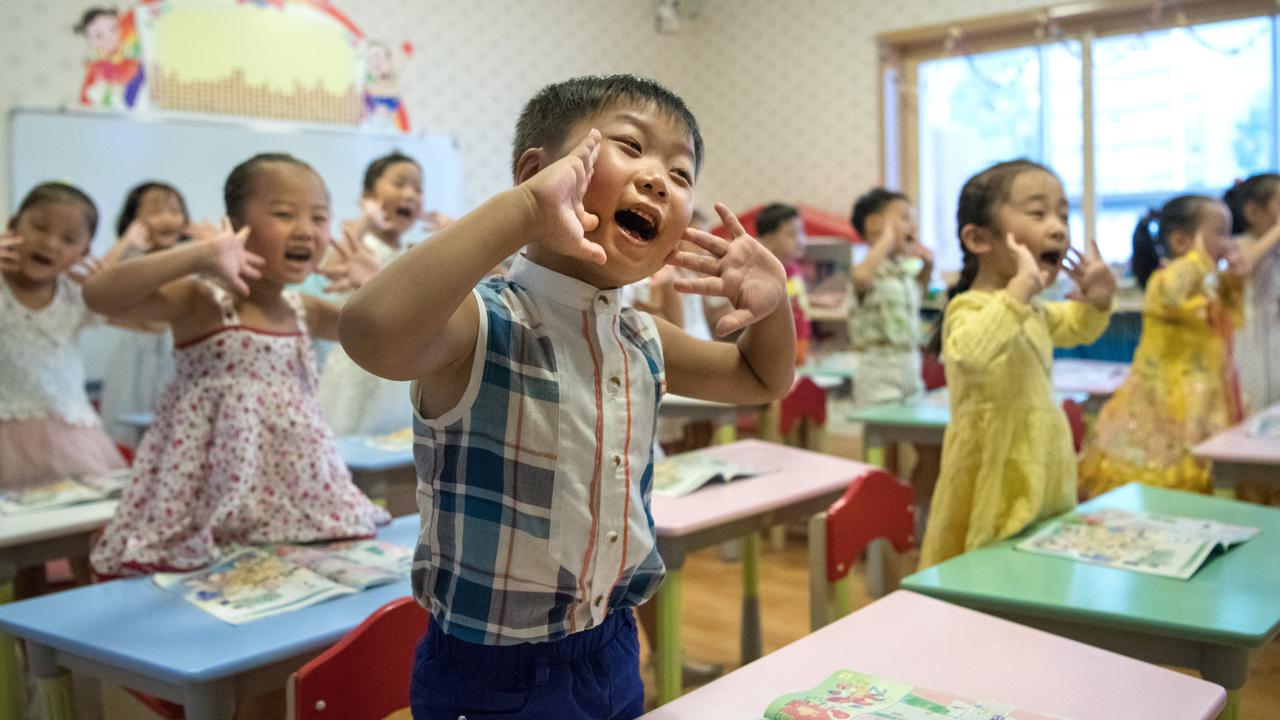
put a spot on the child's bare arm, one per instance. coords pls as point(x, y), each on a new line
point(760, 367)
point(154, 288)
point(417, 318)
point(864, 273)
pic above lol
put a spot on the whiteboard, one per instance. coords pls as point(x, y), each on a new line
point(105, 154)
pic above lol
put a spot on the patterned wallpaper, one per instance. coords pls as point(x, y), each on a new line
point(785, 90)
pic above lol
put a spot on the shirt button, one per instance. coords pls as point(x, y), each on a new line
point(615, 384)
point(602, 302)
point(611, 536)
point(616, 460)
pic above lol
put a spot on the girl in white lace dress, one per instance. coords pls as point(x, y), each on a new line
point(353, 401)
point(48, 429)
point(154, 219)
point(238, 453)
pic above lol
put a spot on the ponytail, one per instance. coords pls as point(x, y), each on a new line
point(1148, 249)
point(968, 273)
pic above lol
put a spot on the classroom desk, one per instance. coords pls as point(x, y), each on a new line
point(134, 634)
point(380, 472)
point(723, 415)
point(1099, 379)
point(1237, 457)
point(141, 420)
point(1209, 622)
point(917, 639)
point(798, 484)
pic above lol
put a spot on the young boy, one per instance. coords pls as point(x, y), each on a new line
point(536, 396)
point(780, 229)
point(884, 324)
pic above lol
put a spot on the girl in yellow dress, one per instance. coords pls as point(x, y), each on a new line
point(1007, 458)
point(1181, 389)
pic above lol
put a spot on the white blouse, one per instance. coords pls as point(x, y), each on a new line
point(41, 371)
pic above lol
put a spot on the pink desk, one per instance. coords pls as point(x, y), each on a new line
point(927, 642)
point(1098, 379)
point(800, 483)
point(1237, 457)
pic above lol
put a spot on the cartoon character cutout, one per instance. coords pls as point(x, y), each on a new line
point(383, 107)
point(113, 73)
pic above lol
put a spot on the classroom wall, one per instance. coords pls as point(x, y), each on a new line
point(785, 91)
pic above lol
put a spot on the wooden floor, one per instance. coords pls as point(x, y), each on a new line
point(712, 611)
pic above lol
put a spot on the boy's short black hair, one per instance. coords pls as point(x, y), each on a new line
point(773, 216)
point(60, 192)
point(548, 116)
point(872, 202)
point(374, 172)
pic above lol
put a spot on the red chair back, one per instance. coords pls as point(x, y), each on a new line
point(805, 401)
point(1075, 418)
point(876, 505)
point(933, 372)
point(365, 676)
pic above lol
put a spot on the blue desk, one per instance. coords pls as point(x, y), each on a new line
point(388, 476)
point(132, 633)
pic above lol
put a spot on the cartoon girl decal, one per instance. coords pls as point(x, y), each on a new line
point(113, 73)
point(383, 107)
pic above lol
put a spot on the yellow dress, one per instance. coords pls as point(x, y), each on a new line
point(1180, 390)
point(1007, 456)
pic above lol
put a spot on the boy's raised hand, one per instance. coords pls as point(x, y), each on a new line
point(85, 269)
point(1095, 284)
point(739, 269)
point(229, 258)
point(137, 236)
point(557, 191)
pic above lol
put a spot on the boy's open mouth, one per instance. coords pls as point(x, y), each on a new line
point(298, 254)
point(41, 259)
point(405, 213)
point(1051, 257)
point(637, 223)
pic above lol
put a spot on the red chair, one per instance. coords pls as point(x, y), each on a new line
point(802, 415)
point(365, 676)
point(1075, 417)
point(933, 372)
point(876, 515)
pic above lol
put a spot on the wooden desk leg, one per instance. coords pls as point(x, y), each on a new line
point(1231, 711)
point(874, 448)
point(215, 701)
point(53, 684)
point(1228, 667)
point(726, 429)
point(751, 644)
point(10, 674)
point(669, 655)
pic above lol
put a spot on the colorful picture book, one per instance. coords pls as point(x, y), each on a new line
point(62, 493)
point(681, 474)
point(257, 582)
point(849, 695)
point(398, 441)
point(1150, 543)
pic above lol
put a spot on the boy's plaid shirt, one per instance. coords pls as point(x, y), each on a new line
point(534, 491)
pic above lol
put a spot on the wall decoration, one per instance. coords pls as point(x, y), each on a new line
point(383, 107)
point(113, 70)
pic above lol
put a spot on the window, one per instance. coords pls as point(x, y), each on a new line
point(1188, 109)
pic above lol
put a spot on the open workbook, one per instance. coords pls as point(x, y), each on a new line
point(62, 493)
point(849, 695)
point(681, 474)
point(1150, 543)
point(257, 582)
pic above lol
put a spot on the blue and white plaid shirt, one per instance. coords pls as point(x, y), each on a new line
point(534, 490)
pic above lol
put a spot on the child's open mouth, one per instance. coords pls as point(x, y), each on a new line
point(1051, 257)
point(637, 224)
point(405, 213)
point(41, 259)
point(300, 255)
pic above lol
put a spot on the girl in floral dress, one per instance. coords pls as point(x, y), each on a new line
point(238, 453)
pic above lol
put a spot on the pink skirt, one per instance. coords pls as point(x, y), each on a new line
point(34, 451)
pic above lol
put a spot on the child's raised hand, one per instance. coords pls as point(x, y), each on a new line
point(203, 230)
point(374, 215)
point(1032, 278)
point(10, 258)
point(137, 236)
point(229, 258)
point(1095, 283)
point(85, 269)
point(354, 266)
point(557, 191)
point(435, 220)
point(739, 269)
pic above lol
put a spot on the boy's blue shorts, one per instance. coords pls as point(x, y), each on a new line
point(592, 675)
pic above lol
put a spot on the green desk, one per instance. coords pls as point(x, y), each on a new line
point(1209, 622)
point(921, 423)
